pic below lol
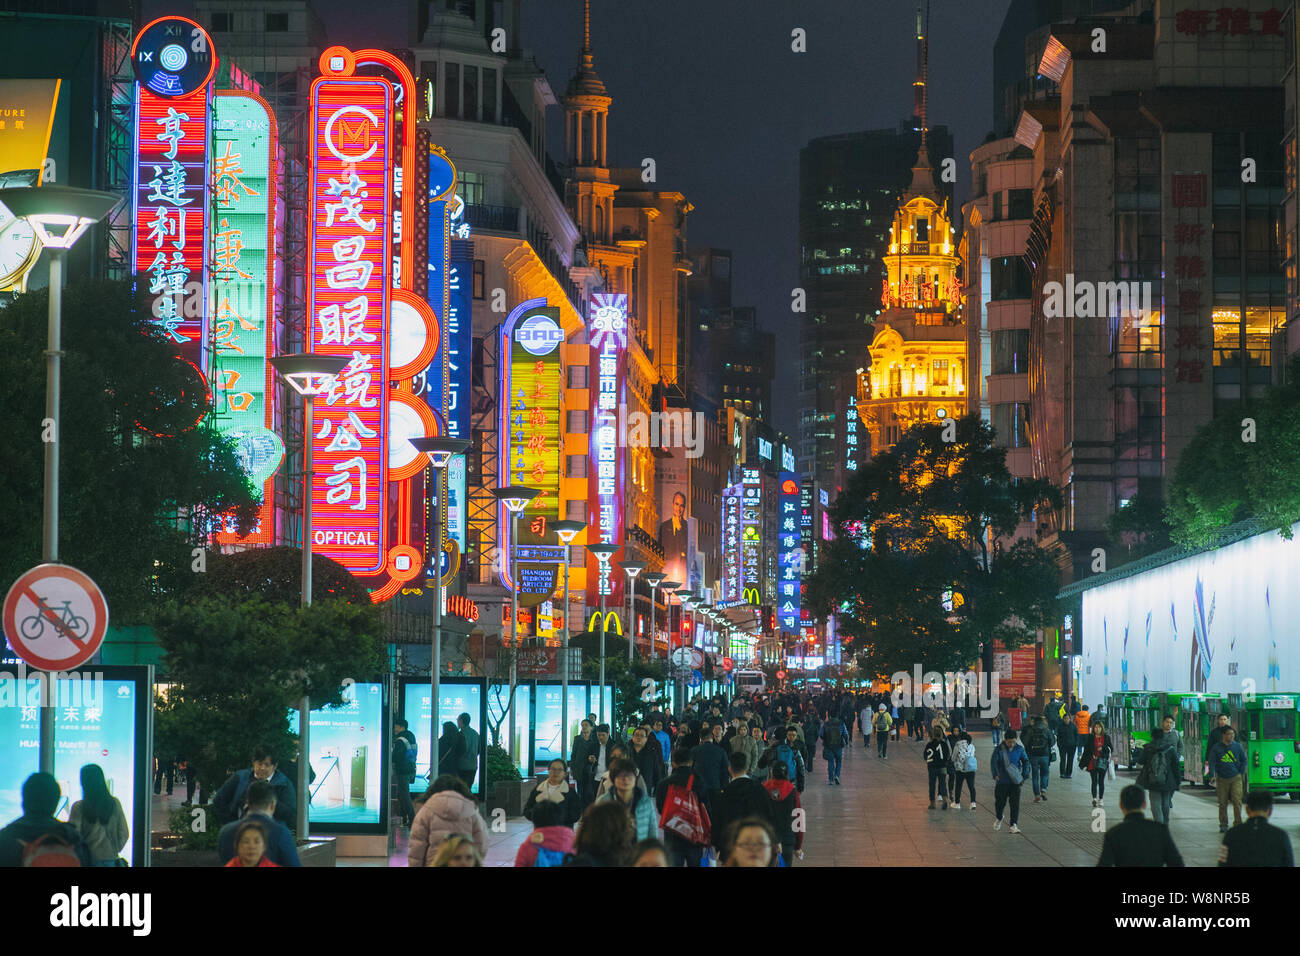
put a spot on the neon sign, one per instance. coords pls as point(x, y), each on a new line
point(731, 568)
point(751, 518)
point(351, 119)
point(789, 553)
point(607, 333)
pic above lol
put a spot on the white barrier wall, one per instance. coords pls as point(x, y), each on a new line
point(1210, 622)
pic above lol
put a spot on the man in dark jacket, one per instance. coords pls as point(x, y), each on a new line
point(231, 800)
point(41, 795)
point(468, 768)
point(710, 760)
point(648, 758)
point(1067, 740)
point(1038, 744)
point(1137, 841)
point(404, 745)
point(583, 746)
point(281, 848)
point(743, 797)
point(679, 851)
point(1256, 842)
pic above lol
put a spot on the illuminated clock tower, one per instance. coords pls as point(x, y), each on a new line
point(916, 368)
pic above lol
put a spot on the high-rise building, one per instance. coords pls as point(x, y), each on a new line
point(732, 359)
point(1155, 250)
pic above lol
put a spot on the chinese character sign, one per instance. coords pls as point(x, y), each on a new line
point(351, 123)
point(731, 531)
point(751, 532)
point(789, 554)
point(1189, 306)
point(242, 244)
point(607, 333)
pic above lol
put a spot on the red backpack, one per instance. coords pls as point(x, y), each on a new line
point(683, 814)
point(50, 849)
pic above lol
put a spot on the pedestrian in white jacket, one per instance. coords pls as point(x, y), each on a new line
point(864, 721)
point(963, 759)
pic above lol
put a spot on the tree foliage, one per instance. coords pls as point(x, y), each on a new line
point(1138, 529)
point(626, 678)
point(137, 475)
point(918, 572)
point(276, 575)
point(1242, 465)
point(237, 664)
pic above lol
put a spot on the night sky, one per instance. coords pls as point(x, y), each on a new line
point(712, 91)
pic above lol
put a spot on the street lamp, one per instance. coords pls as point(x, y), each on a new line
point(633, 568)
point(685, 603)
point(441, 451)
point(515, 498)
point(654, 579)
point(58, 215)
point(308, 375)
point(603, 552)
point(566, 531)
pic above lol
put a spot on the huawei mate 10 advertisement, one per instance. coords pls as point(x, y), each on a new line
point(349, 752)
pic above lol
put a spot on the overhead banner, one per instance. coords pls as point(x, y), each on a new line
point(350, 279)
point(242, 254)
point(607, 333)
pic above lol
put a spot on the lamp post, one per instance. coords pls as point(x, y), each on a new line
point(515, 498)
point(58, 215)
point(684, 607)
point(602, 553)
point(633, 568)
point(654, 579)
point(308, 375)
point(566, 531)
point(670, 589)
point(440, 451)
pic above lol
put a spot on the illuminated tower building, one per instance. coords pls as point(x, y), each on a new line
point(917, 362)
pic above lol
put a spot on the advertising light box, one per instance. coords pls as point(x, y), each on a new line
point(520, 742)
point(349, 755)
point(549, 741)
point(455, 699)
point(104, 717)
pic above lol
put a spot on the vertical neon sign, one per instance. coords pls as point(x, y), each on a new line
point(351, 123)
point(174, 62)
point(607, 332)
point(731, 569)
point(789, 553)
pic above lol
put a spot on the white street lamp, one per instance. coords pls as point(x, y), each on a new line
point(633, 568)
point(654, 579)
point(566, 531)
point(603, 552)
point(441, 451)
point(515, 498)
point(309, 375)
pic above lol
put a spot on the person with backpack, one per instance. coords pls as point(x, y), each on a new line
point(1067, 740)
point(743, 797)
point(1038, 744)
point(785, 810)
point(834, 736)
point(965, 763)
point(1158, 774)
point(1010, 766)
point(405, 750)
point(37, 838)
point(1082, 730)
point(99, 818)
point(788, 752)
point(882, 723)
point(556, 789)
point(812, 728)
point(682, 816)
point(938, 755)
point(1097, 749)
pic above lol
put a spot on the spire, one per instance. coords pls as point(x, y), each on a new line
point(585, 82)
point(586, 30)
point(922, 172)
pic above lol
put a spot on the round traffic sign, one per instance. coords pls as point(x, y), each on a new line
point(728, 664)
point(697, 658)
point(55, 617)
point(682, 657)
point(780, 675)
point(696, 679)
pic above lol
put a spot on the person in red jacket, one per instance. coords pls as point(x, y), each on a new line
point(250, 846)
point(550, 840)
point(785, 810)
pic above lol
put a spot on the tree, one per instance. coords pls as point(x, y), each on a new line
point(1242, 465)
point(627, 679)
point(1138, 529)
point(141, 473)
point(918, 571)
point(276, 574)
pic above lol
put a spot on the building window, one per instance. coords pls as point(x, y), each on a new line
point(470, 187)
point(575, 465)
point(895, 382)
point(470, 110)
point(1010, 352)
point(1011, 422)
point(1010, 278)
point(489, 94)
point(223, 22)
point(997, 206)
point(576, 420)
point(922, 229)
point(451, 90)
point(480, 279)
point(1020, 204)
point(939, 373)
point(578, 377)
point(277, 23)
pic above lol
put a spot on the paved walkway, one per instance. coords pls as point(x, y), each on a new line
point(879, 816)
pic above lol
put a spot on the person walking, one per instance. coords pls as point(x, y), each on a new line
point(1081, 728)
point(812, 729)
point(995, 725)
point(882, 723)
point(865, 718)
point(965, 762)
point(1067, 740)
point(749, 744)
point(624, 791)
point(742, 797)
point(1038, 744)
point(938, 755)
point(468, 768)
point(788, 752)
point(648, 758)
point(1158, 774)
point(1010, 766)
point(785, 811)
point(551, 840)
point(230, 801)
point(1097, 749)
point(834, 736)
point(405, 749)
point(1135, 840)
point(583, 746)
point(99, 818)
point(451, 750)
point(1227, 761)
point(555, 789)
point(447, 810)
point(606, 835)
point(709, 759)
point(1256, 842)
point(681, 851)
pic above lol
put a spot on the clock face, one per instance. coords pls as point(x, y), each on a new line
point(18, 247)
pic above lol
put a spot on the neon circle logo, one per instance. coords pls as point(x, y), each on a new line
point(353, 134)
point(539, 335)
point(173, 57)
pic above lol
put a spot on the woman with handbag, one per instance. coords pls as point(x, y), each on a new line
point(99, 818)
point(1096, 760)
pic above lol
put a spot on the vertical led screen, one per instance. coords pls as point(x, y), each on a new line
point(351, 123)
point(456, 699)
point(607, 333)
point(530, 362)
point(243, 190)
point(806, 547)
point(731, 567)
point(751, 519)
point(789, 553)
point(349, 751)
point(457, 341)
point(173, 61)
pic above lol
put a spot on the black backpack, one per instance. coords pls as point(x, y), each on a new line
point(833, 739)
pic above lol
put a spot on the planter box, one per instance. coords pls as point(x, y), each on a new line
point(508, 795)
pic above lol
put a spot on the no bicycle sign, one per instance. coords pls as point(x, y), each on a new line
point(55, 617)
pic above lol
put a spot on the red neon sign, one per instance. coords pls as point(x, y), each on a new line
point(462, 607)
point(351, 119)
point(171, 201)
